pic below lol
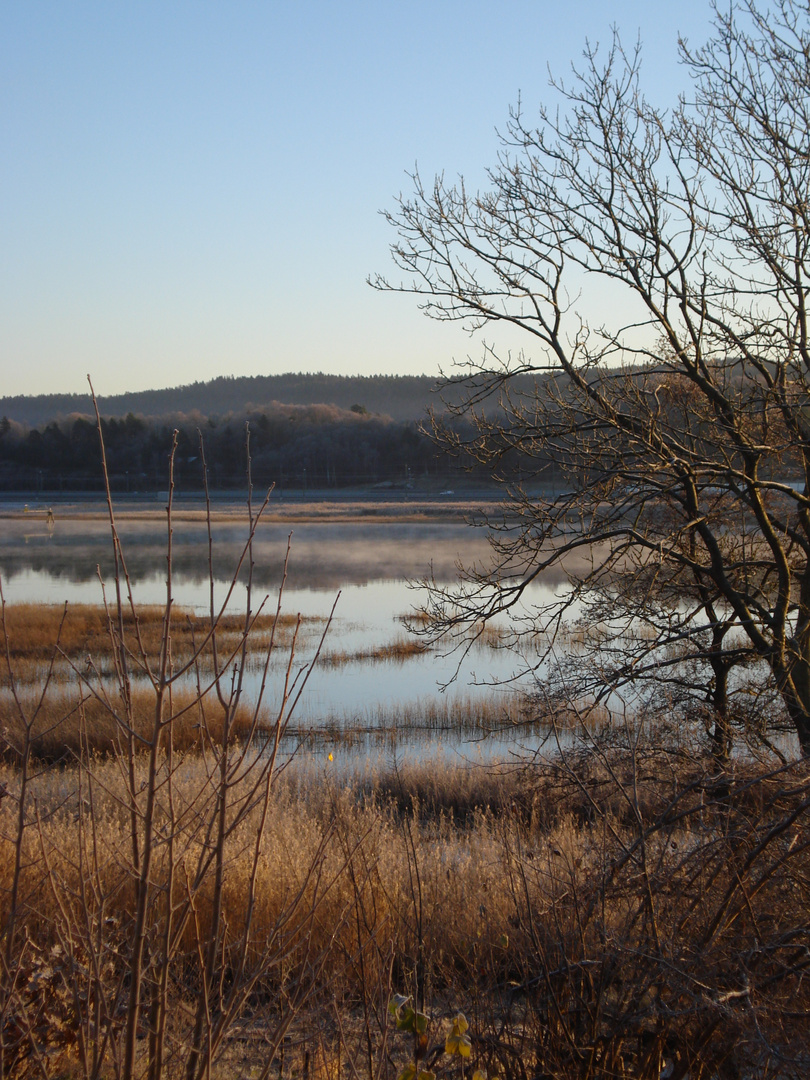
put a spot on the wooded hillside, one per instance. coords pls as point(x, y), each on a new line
point(402, 397)
point(306, 431)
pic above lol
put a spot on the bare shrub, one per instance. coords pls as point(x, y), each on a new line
point(139, 926)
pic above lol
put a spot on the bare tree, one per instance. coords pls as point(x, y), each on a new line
point(681, 424)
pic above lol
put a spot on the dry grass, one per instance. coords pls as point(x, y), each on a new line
point(82, 630)
point(67, 694)
point(398, 650)
point(588, 901)
point(72, 720)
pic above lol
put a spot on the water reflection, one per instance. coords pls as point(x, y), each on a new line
point(325, 555)
point(360, 703)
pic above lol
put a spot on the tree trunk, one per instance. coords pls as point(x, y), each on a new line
point(794, 686)
point(721, 736)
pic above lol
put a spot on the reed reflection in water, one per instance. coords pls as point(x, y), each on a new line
point(372, 692)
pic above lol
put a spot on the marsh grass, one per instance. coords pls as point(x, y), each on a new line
point(83, 709)
point(400, 649)
point(399, 727)
point(73, 720)
point(78, 631)
point(478, 713)
point(72, 650)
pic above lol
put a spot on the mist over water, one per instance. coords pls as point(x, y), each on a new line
point(351, 700)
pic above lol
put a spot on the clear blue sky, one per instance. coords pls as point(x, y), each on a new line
point(190, 188)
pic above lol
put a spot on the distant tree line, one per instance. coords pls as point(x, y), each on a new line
point(290, 446)
point(402, 397)
point(299, 446)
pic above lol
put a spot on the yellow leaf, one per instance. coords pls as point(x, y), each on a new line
point(464, 1046)
point(460, 1024)
point(408, 1073)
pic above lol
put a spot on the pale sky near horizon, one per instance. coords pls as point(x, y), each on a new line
point(190, 188)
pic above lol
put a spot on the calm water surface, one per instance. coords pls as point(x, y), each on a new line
point(368, 564)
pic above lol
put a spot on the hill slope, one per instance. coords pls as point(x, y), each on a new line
point(402, 397)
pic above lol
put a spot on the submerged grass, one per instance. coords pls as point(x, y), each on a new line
point(399, 727)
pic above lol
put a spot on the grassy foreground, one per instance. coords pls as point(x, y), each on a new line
point(610, 913)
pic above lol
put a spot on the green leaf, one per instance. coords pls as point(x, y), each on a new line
point(408, 1073)
point(405, 1020)
point(396, 1003)
point(420, 1023)
point(503, 941)
point(426, 1074)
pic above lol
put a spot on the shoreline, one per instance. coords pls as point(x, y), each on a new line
point(352, 507)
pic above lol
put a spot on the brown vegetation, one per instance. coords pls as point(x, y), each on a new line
point(30, 631)
point(597, 916)
point(607, 911)
point(614, 910)
point(400, 649)
point(70, 722)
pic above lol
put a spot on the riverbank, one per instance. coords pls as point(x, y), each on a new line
point(314, 507)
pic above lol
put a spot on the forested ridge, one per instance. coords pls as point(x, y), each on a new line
point(306, 431)
point(304, 445)
point(402, 397)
